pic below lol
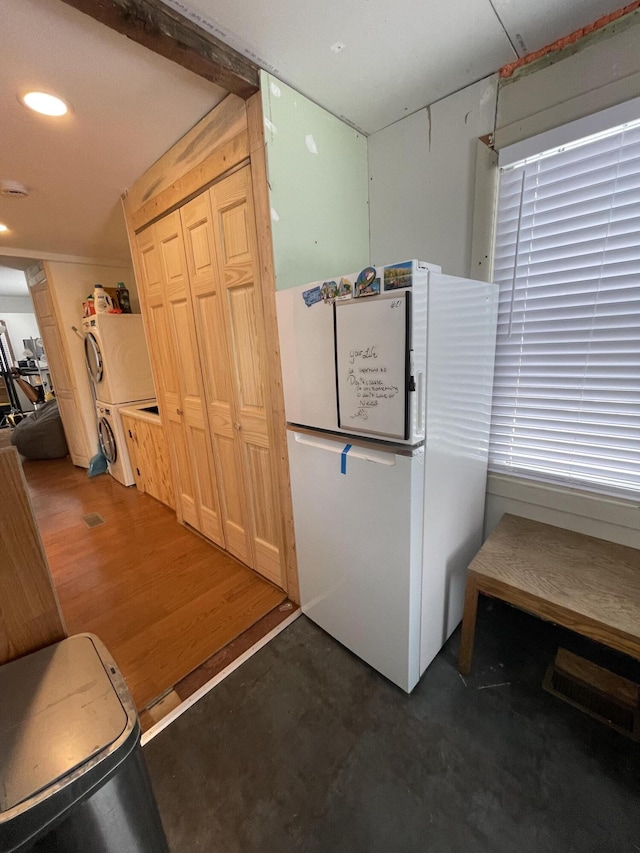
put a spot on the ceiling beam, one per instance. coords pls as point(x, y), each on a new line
point(164, 31)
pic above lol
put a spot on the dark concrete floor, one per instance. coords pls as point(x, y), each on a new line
point(304, 748)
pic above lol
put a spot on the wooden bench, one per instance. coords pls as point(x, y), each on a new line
point(588, 585)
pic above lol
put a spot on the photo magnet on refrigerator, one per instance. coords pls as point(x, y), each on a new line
point(367, 284)
point(398, 275)
point(329, 291)
point(312, 296)
point(345, 289)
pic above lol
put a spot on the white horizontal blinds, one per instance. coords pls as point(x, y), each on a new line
point(566, 403)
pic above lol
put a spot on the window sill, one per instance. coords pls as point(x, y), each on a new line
point(587, 505)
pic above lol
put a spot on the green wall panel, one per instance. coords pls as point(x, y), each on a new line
point(318, 179)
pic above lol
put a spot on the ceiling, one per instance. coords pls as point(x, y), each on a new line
point(128, 106)
point(370, 62)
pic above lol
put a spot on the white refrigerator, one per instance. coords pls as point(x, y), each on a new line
point(387, 378)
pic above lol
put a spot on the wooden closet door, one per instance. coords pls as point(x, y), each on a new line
point(233, 222)
point(164, 360)
point(208, 308)
point(192, 409)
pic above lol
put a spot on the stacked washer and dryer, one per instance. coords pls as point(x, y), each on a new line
point(118, 363)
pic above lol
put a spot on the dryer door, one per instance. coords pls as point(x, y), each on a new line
point(93, 357)
point(107, 441)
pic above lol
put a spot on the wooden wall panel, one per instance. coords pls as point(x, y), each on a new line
point(149, 457)
point(30, 615)
point(261, 209)
point(213, 146)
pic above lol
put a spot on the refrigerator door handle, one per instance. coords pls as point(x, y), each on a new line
point(420, 400)
point(378, 456)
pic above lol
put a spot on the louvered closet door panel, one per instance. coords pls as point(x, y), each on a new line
point(207, 298)
point(234, 232)
point(192, 410)
point(167, 385)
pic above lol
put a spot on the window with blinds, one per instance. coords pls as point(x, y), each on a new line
point(566, 404)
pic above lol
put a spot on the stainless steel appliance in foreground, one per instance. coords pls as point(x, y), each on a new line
point(72, 774)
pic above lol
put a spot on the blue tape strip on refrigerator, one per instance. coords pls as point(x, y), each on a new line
point(343, 459)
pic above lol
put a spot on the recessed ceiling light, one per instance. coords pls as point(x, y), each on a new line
point(3, 227)
point(46, 104)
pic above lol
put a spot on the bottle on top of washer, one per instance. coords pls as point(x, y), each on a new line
point(102, 302)
point(123, 298)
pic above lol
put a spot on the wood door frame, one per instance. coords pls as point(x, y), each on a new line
point(229, 137)
point(267, 279)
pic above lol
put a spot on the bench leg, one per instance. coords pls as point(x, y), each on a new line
point(468, 625)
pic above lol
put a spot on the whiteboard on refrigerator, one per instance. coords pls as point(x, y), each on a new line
point(372, 344)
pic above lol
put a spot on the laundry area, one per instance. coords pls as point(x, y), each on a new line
point(319, 446)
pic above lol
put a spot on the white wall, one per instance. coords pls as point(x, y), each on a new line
point(421, 180)
point(16, 305)
point(605, 72)
point(584, 512)
point(17, 313)
point(422, 174)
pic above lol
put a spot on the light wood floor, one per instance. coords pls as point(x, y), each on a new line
point(161, 598)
